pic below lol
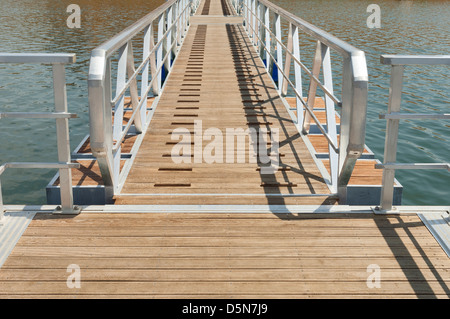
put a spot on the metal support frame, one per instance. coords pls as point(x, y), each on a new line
point(61, 117)
point(354, 90)
point(393, 117)
point(171, 20)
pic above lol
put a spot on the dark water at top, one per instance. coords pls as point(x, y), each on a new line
point(407, 27)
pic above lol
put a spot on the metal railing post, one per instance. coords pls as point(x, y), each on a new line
point(390, 146)
point(277, 22)
point(253, 24)
point(330, 114)
point(147, 46)
point(62, 136)
point(287, 64)
point(298, 75)
point(118, 112)
point(267, 37)
point(169, 39)
point(159, 51)
point(138, 121)
point(260, 27)
point(317, 63)
point(353, 118)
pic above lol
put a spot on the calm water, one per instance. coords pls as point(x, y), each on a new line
point(407, 27)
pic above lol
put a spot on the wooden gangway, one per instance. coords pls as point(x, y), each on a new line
point(185, 227)
point(219, 81)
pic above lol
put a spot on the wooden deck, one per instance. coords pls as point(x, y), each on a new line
point(226, 256)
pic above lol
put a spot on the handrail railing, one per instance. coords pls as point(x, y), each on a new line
point(393, 116)
point(265, 33)
point(106, 133)
point(61, 116)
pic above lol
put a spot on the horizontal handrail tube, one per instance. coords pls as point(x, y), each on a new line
point(123, 37)
point(413, 166)
point(415, 59)
point(418, 116)
point(37, 165)
point(38, 115)
point(44, 58)
point(326, 38)
point(308, 72)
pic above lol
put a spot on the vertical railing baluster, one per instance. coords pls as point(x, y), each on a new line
point(258, 23)
point(62, 136)
point(247, 23)
point(313, 87)
point(177, 6)
point(159, 53)
point(277, 22)
point(148, 31)
point(287, 65)
point(138, 121)
point(254, 22)
point(330, 115)
point(268, 38)
point(169, 39)
point(390, 146)
point(118, 110)
point(298, 75)
point(153, 61)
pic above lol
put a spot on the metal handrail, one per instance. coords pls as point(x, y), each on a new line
point(393, 117)
point(172, 20)
point(265, 33)
point(61, 116)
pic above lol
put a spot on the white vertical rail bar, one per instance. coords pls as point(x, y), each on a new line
point(245, 15)
point(267, 37)
point(62, 136)
point(287, 64)
point(253, 17)
point(177, 6)
point(298, 74)
point(258, 15)
point(390, 146)
point(331, 115)
point(153, 61)
point(145, 71)
point(277, 22)
point(138, 121)
point(118, 110)
point(159, 53)
point(169, 39)
point(312, 87)
point(248, 16)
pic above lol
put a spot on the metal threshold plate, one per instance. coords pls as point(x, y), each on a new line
point(439, 226)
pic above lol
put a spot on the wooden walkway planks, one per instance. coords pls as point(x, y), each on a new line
point(219, 80)
point(226, 256)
